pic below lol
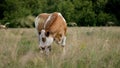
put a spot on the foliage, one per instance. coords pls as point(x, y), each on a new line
point(67, 9)
point(83, 12)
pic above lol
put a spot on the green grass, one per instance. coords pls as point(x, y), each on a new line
point(87, 47)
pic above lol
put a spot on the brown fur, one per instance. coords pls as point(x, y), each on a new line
point(56, 25)
point(42, 18)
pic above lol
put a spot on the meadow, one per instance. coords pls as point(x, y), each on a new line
point(86, 47)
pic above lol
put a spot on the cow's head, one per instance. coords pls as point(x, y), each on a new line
point(45, 40)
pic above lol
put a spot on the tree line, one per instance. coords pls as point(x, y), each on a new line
point(21, 13)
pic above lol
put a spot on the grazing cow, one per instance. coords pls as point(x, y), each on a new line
point(3, 27)
point(50, 27)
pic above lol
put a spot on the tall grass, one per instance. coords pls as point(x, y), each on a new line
point(87, 47)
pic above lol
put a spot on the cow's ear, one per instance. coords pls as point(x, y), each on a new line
point(47, 33)
point(39, 33)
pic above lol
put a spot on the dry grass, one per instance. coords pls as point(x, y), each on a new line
point(87, 47)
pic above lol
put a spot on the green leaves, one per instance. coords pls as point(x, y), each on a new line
point(67, 9)
point(84, 13)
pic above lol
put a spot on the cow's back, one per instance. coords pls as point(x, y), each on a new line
point(54, 23)
point(50, 27)
point(57, 25)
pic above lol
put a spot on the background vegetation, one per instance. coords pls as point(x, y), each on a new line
point(21, 13)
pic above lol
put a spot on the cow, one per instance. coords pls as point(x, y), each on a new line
point(50, 27)
point(3, 27)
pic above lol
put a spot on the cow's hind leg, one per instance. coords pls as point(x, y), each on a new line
point(63, 41)
point(63, 44)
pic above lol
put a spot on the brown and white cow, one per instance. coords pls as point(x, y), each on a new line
point(50, 27)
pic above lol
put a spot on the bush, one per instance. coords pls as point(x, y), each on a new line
point(104, 18)
point(72, 24)
point(25, 22)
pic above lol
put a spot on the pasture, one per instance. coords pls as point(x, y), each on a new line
point(86, 47)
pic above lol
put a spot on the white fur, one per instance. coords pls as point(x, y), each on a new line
point(63, 41)
point(36, 25)
point(36, 22)
point(47, 21)
point(47, 50)
point(61, 16)
point(48, 41)
point(42, 33)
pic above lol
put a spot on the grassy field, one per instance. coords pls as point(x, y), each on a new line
point(87, 47)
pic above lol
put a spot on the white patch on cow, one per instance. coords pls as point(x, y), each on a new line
point(47, 51)
point(36, 22)
point(48, 41)
point(61, 16)
point(63, 41)
point(42, 33)
point(49, 18)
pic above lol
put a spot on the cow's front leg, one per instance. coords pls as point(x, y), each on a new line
point(47, 50)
